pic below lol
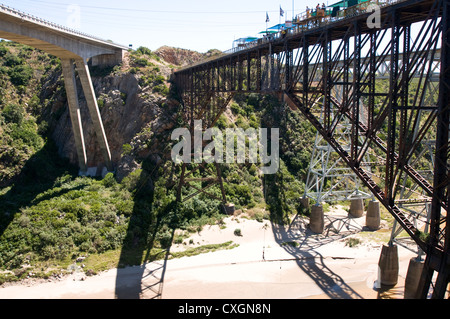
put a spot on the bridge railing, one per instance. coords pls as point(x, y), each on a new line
point(34, 19)
point(358, 10)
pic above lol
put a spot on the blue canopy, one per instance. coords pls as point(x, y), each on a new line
point(280, 26)
point(268, 31)
point(245, 40)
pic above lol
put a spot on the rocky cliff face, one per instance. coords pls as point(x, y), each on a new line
point(137, 118)
point(178, 56)
point(125, 111)
point(182, 57)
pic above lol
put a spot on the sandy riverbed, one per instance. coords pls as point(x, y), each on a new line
point(270, 262)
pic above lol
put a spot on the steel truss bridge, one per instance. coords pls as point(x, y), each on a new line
point(384, 74)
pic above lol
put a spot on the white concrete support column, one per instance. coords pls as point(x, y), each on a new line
point(68, 68)
point(89, 93)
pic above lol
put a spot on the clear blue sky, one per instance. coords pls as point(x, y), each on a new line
point(198, 25)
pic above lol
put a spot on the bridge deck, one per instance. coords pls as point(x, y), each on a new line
point(55, 39)
point(410, 11)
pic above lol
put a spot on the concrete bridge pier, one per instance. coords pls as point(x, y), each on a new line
point(68, 66)
point(317, 219)
point(413, 278)
point(89, 93)
point(388, 265)
point(357, 207)
point(68, 69)
point(373, 218)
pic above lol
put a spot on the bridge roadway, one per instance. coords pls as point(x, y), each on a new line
point(75, 49)
point(57, 40)
point(304, 66)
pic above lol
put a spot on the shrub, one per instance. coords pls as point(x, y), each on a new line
point(12, 113)
point(21, 74)
point(27, 134)
point(101, 103)
point(237, 232)
point(159, 80)
point(236, 109)
point(141, 62)
point(127, 149)
point(161, 88)
point(352, 242)
point(165, 239)
point(3, 50)
point(131, 182)
point(109, 180)
point(123, 96)
point(222, 122)
point(12, 60)
point(144, 50)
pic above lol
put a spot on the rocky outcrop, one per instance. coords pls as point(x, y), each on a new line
point(132, 115)
point(177, 56)
point(183, 57)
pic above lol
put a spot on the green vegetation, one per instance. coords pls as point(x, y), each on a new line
point(143, 63)
point(20, 75)
point(203, 249)
point(293, 244)
point(22, 127)
point(352, 242)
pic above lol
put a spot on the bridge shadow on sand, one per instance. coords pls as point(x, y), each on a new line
point(300, 242)
point(145, 281)
point(141, 267)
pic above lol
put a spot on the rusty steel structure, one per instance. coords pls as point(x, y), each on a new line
point(391, 116)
